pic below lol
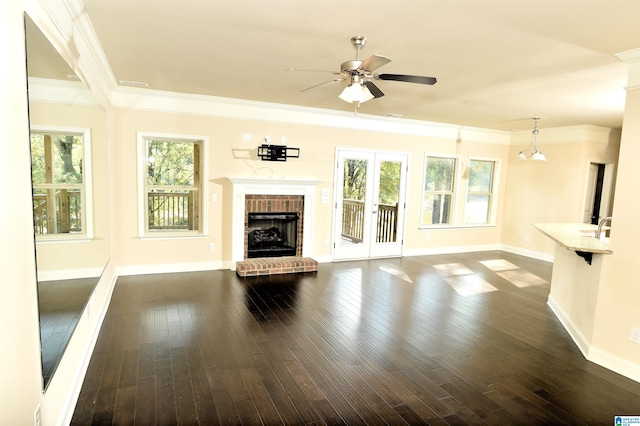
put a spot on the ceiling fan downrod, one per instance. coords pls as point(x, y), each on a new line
point(358, 42)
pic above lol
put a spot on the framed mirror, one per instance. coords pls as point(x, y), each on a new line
point(69, 173)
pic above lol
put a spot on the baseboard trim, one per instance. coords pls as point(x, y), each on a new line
point(76, 384)
point(592, 353)
point(547, 257)
point(426, 251)
point(615, 363)
point(578, 338)
point(167, 268)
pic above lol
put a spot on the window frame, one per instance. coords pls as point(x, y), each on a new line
point(491, 214)
point(452, 192)
point(86, 186)
point(142, 161)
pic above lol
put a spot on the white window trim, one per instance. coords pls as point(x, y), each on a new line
point(495, 185)
point(142, 136)
point(87, 181)
point(454, 196)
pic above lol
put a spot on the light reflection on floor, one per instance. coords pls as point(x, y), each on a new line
point(521, 278)
point(499, 264)
point(465, 282)
point(396, 272)
point(467, 285)
point(452, 269)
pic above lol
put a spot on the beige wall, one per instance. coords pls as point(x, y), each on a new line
point(618, 304)
point(20, 366)
point(317, 155)
point(20, 390)
point(65, 257)
point(555, 190)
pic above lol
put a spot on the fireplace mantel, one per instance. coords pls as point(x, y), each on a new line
point(244, 186)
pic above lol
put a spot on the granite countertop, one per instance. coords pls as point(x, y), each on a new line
point(576, 236)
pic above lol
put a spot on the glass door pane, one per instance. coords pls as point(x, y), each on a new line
point(354, 192)
point(387, 201)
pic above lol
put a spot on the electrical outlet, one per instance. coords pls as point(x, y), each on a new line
point(635, 335)
point(526, 238)
point(212, 247)
point(37, 420)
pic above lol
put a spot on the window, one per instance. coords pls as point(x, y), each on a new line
point(437, 197)
point(479, 192)
point(59, 177)
point(172, 195)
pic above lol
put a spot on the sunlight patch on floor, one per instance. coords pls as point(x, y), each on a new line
point(522, 278)
point(452, 269)
point(499, 264)
point(468, 285)
point(396, 272)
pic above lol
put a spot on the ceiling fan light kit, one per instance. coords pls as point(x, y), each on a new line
point(356, 92)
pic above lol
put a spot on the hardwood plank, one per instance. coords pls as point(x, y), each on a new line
point(164, 394)
point(124, 411)
point(352, 344)
point(184, 402)
point(145, 401)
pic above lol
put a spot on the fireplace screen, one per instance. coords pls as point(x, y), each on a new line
point(272, 234)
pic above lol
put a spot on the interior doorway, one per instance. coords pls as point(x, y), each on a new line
point(599, 193)
point(370, 204)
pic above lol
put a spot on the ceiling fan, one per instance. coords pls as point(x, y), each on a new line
point(359, 74)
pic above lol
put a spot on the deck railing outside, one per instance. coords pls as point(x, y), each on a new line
point(170, 210)
point(353, 222)
point(66, 211)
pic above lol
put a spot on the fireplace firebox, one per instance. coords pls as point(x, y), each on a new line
point(272, 234)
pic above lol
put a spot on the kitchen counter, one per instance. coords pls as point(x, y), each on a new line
point(575, 280)
point(578, 237)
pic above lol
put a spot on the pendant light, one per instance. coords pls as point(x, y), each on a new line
point(534, 155)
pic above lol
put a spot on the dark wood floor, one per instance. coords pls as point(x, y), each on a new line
point(60, 305)
point(439, 340)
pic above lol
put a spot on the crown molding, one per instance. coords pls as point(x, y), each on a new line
point(568, 134)
point(212, 106)
point(60, 92)
point(68, 28)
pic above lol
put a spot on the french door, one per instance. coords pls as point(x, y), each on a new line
point(370, 204)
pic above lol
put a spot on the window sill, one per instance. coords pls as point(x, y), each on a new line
point(432, 227)
point(172, 236)
point(59, 239)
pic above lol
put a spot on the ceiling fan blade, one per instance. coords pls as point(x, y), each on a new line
point(407, 78)
point(335, 80)
point(377, 93)
point(374, 62)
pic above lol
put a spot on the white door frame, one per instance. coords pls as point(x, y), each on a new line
point(368, 248)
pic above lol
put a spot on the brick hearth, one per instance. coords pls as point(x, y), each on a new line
point(258, 203)
point(275, 265)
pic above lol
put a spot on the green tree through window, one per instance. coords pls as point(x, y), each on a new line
point(58, 182)
point(438, 191)
point(172, 184)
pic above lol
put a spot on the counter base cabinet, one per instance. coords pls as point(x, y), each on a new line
point(574, 292)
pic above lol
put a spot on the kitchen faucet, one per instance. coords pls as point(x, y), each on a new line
point(602, 222)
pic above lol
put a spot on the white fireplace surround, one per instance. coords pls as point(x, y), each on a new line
point(242, 187)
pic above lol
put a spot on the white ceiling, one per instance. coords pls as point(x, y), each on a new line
point(498, 63)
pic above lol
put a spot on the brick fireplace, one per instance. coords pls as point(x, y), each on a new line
point(262, 196)
point(255, 203)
